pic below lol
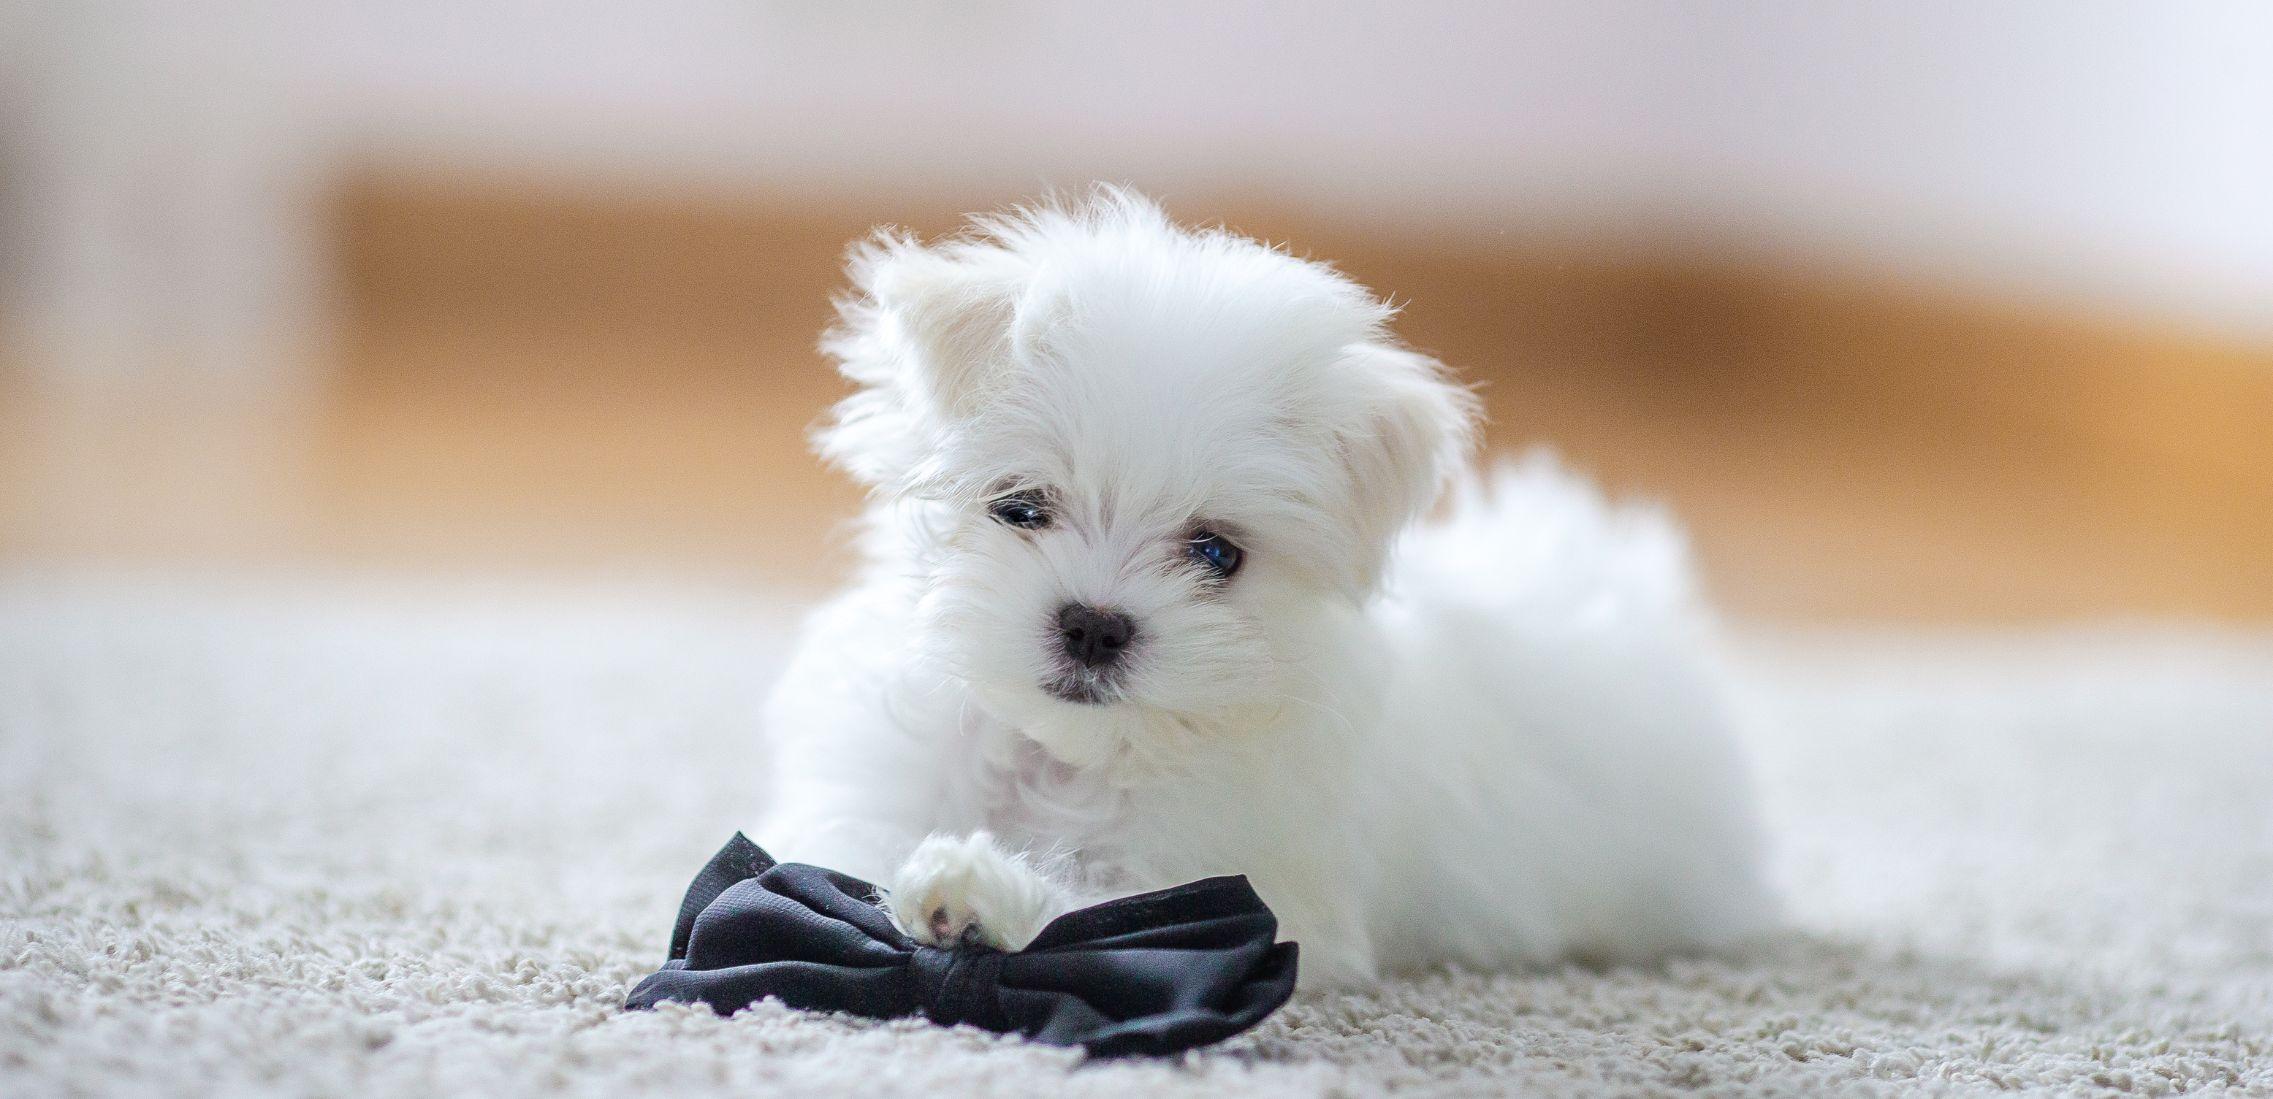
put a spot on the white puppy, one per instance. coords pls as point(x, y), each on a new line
point(1147, 597)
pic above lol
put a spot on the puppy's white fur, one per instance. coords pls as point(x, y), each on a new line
point(1487, 739)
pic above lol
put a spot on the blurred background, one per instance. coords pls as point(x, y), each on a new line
point(1938, 313)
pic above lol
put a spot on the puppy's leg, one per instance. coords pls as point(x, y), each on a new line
point(953, 888)
point(855, 760)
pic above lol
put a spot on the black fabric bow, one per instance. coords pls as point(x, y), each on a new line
point(1153, 973)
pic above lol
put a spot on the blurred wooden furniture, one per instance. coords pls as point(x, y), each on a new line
point(571, 380)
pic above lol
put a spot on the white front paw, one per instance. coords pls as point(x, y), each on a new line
point(957, 888)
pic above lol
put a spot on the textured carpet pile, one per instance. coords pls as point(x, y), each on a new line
point(324, 840)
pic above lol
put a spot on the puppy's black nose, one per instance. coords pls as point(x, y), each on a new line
point(1093, 637)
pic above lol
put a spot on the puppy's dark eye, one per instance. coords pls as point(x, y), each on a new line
point(1216, 552)
point(1024, 510)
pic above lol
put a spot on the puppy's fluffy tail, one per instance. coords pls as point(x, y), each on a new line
point(1526, 540)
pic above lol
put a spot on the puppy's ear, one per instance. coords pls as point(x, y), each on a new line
point(925, 334)
point(952, 310)
point(1413, 433)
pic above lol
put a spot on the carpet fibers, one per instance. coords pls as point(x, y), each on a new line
point(316, 839)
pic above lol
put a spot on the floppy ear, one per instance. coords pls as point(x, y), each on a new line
point(952, 310)
point(1413, 433)
point(925, 333)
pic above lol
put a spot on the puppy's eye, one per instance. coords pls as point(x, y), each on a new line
point(1216, 552)
point(1024, 510)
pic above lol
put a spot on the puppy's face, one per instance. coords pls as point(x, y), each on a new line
point(1101, 608)
point(1147, 468)
point(1087, 607)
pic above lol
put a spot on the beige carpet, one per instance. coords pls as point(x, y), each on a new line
point(312, 839)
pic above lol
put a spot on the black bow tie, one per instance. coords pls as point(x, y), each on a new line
point(1153, 973)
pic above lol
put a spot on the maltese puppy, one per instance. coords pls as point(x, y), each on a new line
point(1175, 567)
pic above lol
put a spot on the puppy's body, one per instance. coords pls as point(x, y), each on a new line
point(1489, 739)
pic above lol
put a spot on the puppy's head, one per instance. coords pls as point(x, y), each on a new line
point(1147, 467)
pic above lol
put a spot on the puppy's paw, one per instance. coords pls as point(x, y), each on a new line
point(957, 888)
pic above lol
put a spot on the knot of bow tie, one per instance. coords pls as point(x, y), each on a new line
point(1153, 973)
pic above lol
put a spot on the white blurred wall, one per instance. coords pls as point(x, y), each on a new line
point(163, 161)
